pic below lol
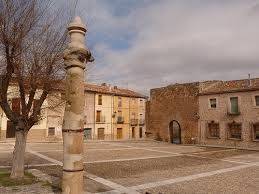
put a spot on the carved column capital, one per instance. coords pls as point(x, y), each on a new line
point(76, 57)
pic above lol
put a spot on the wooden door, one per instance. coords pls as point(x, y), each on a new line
point(133, 132)
point(87, 133)
point(140, 132)
point(100, 134)
point(119, 133)
point(10, 132)
point(175, 132)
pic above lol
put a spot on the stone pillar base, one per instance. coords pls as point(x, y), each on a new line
point(72, 182)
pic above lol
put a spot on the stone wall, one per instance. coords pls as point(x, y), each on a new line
point(249, 114)
point(175, 102)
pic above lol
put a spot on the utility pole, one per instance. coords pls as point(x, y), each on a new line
point(75, 58)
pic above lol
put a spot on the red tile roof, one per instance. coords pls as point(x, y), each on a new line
point(217, 87)
point(105, 89)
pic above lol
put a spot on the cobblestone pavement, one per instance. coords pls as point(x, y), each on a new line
point(152, 167)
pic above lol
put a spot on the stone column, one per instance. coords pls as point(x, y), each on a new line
point(75, 58)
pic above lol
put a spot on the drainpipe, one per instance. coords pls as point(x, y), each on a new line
point(94, 131)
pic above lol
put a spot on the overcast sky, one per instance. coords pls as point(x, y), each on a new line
point(143, 44)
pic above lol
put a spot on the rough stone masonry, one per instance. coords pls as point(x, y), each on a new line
point(177, 102)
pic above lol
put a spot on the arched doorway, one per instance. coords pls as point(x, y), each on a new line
point(175, 132)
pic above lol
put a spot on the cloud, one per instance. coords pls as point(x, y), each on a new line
point(162, 42)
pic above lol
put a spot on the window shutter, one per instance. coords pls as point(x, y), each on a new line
point(257, 100)
point(234, 104)
point(16, 105)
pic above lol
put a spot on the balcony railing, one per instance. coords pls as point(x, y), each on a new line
point(141, 121)
point(100, 119)
point(133, 122)
point(233, 113)
point(120, 120)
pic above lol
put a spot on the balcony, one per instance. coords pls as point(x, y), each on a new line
point(141, 121)
point(100, 119)
point(233, 112)
point(120, 120)
point(133, 122)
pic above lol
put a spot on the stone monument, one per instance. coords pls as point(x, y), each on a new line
point(75, 58)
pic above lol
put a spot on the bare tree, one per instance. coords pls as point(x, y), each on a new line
point(32, 40)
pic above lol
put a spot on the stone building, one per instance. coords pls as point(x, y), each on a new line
point(173, 112)
point(219, 113)
point(229, 113)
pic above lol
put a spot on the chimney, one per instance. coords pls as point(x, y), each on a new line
point(249, 80)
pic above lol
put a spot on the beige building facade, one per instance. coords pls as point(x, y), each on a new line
point(114, 111)
point(50, 125)
point(108, 115)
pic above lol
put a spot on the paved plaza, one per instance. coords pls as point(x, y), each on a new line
point(149, 167)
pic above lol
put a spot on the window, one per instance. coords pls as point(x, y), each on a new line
point(141, 102)
point(213, 130)
point(16, 105)
point(141, 119)
point(51, 131)
point(256, 131)
point(98, 116)
point(235, 130)
point(119, 102)
point(35, 103)
point(34, 106)
point(234, 105)
point(100, 101)
point(134, 120)
point(256, 100)
point(120, 117)
point(213, 103)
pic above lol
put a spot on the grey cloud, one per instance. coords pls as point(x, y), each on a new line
point(176, 41)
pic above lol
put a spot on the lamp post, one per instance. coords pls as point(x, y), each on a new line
point(75, 58)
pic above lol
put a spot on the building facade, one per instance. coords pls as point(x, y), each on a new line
point(217, 113)
point(49, 126)
point(229, 114)
point(119, 114)
point(89, 115)
point(108, 115)
point(173, 112)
